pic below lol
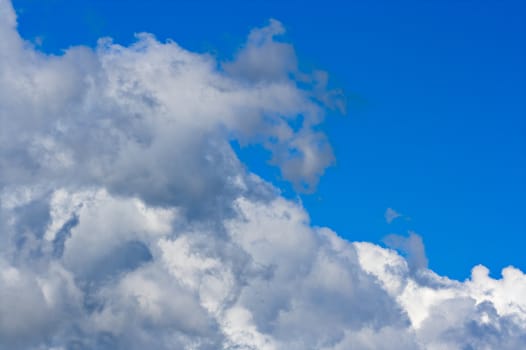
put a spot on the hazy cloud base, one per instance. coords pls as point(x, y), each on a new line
point(128, 222)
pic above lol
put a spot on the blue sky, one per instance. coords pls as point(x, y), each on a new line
point(435, 126)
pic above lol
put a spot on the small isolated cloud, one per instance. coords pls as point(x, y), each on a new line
point(128, 222)
point(391, 214)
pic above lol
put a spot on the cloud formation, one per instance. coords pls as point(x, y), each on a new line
point(391, 214)
point(128, 222)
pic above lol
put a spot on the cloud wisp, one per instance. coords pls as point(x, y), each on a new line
point(128, 222)
point(391, 215)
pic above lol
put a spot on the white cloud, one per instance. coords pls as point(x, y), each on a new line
point(128, 222)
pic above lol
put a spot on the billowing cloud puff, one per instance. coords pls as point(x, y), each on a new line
point(128, 222)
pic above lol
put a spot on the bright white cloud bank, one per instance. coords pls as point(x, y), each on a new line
point(127, 221)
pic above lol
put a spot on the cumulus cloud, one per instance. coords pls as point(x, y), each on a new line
point(412, 247)
point(128, 222)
